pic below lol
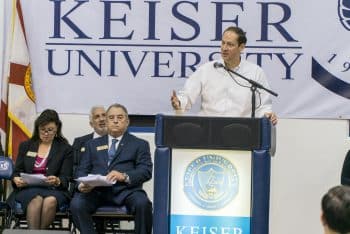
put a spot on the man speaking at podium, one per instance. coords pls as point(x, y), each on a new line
point(224, 94)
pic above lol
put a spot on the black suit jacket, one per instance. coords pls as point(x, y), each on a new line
point(345, 173)
point(60, 160)
point(132, 157)
point(79, 147)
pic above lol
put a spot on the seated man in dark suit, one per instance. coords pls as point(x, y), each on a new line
point(345, 173)
point(123, 158)
point(335, 215)
point(97, 120)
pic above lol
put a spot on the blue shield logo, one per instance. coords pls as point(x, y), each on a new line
point(211, 182)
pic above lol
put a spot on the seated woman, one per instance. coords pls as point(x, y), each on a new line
point(50, 154)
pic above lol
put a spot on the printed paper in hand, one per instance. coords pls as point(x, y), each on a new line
point(95, 180)
point(34, 179)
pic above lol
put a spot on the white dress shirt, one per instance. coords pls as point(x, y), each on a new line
point(223, 96)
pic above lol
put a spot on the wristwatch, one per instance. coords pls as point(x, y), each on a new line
point(127, 178)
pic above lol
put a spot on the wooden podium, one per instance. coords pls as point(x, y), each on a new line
point(212, 175)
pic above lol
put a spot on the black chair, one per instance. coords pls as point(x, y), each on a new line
point(62, 220)
point(6, 170)
point(109, 218)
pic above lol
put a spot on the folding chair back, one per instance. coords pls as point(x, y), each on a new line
point(6, 171)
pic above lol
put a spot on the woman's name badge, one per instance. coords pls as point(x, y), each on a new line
point(31, 154)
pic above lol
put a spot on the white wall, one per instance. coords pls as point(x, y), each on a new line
point(307, 162)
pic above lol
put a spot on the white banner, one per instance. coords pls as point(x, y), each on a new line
point(136, 52)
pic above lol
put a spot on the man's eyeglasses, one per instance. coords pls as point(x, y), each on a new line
point(47, 130)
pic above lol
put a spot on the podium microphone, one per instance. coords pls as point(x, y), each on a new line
point(252, 82)
point(254, 85)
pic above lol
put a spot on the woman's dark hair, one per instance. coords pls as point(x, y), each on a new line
point(46, 117)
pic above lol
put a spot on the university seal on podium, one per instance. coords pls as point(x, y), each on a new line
point(211, 181)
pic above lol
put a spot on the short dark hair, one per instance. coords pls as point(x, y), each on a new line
point(117, 105)
point(336, 208)
point(48, 116)
point(242, 39)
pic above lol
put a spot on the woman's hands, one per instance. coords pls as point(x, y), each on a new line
point(53, 180)
point(19, 182)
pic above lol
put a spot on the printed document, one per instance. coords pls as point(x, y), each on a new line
point(34, 179)
point(95, 180)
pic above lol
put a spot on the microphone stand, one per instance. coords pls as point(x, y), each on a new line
point(254, 86)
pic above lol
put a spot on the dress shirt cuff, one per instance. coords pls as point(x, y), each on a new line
point(183, 101)
point(127, 178)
